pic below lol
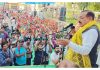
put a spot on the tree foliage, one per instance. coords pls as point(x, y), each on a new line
point(94, 6)
point(82, 5)
point(97, 6)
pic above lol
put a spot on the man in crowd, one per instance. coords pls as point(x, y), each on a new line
point(42, 50)
point(56, 56)
point(20, 54)
point(28, 47)
point(5, 59)
point(3, 33)
point(83, 45)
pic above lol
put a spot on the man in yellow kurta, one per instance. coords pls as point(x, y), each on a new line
point(83, 45)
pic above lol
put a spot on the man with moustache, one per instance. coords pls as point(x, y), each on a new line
point(83, 45)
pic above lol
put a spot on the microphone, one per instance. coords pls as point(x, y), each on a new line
point(69, 26)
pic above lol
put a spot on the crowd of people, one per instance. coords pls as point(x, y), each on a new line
point(22, 34)
point(25, 39)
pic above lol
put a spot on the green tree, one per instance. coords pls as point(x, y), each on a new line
point(82, 5)
point(97, 6)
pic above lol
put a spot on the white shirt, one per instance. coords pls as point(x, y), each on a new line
point(13, 23)
point(28, 48)
point(47, 48)
point(53, 57)
point(89, 39)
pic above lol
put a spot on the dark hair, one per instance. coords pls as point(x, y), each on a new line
point(89, 14)
point(27, 38)
point(40, 42)
point(3, 43)
point(20, 41)
point(56, 46)
point(2, 26)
